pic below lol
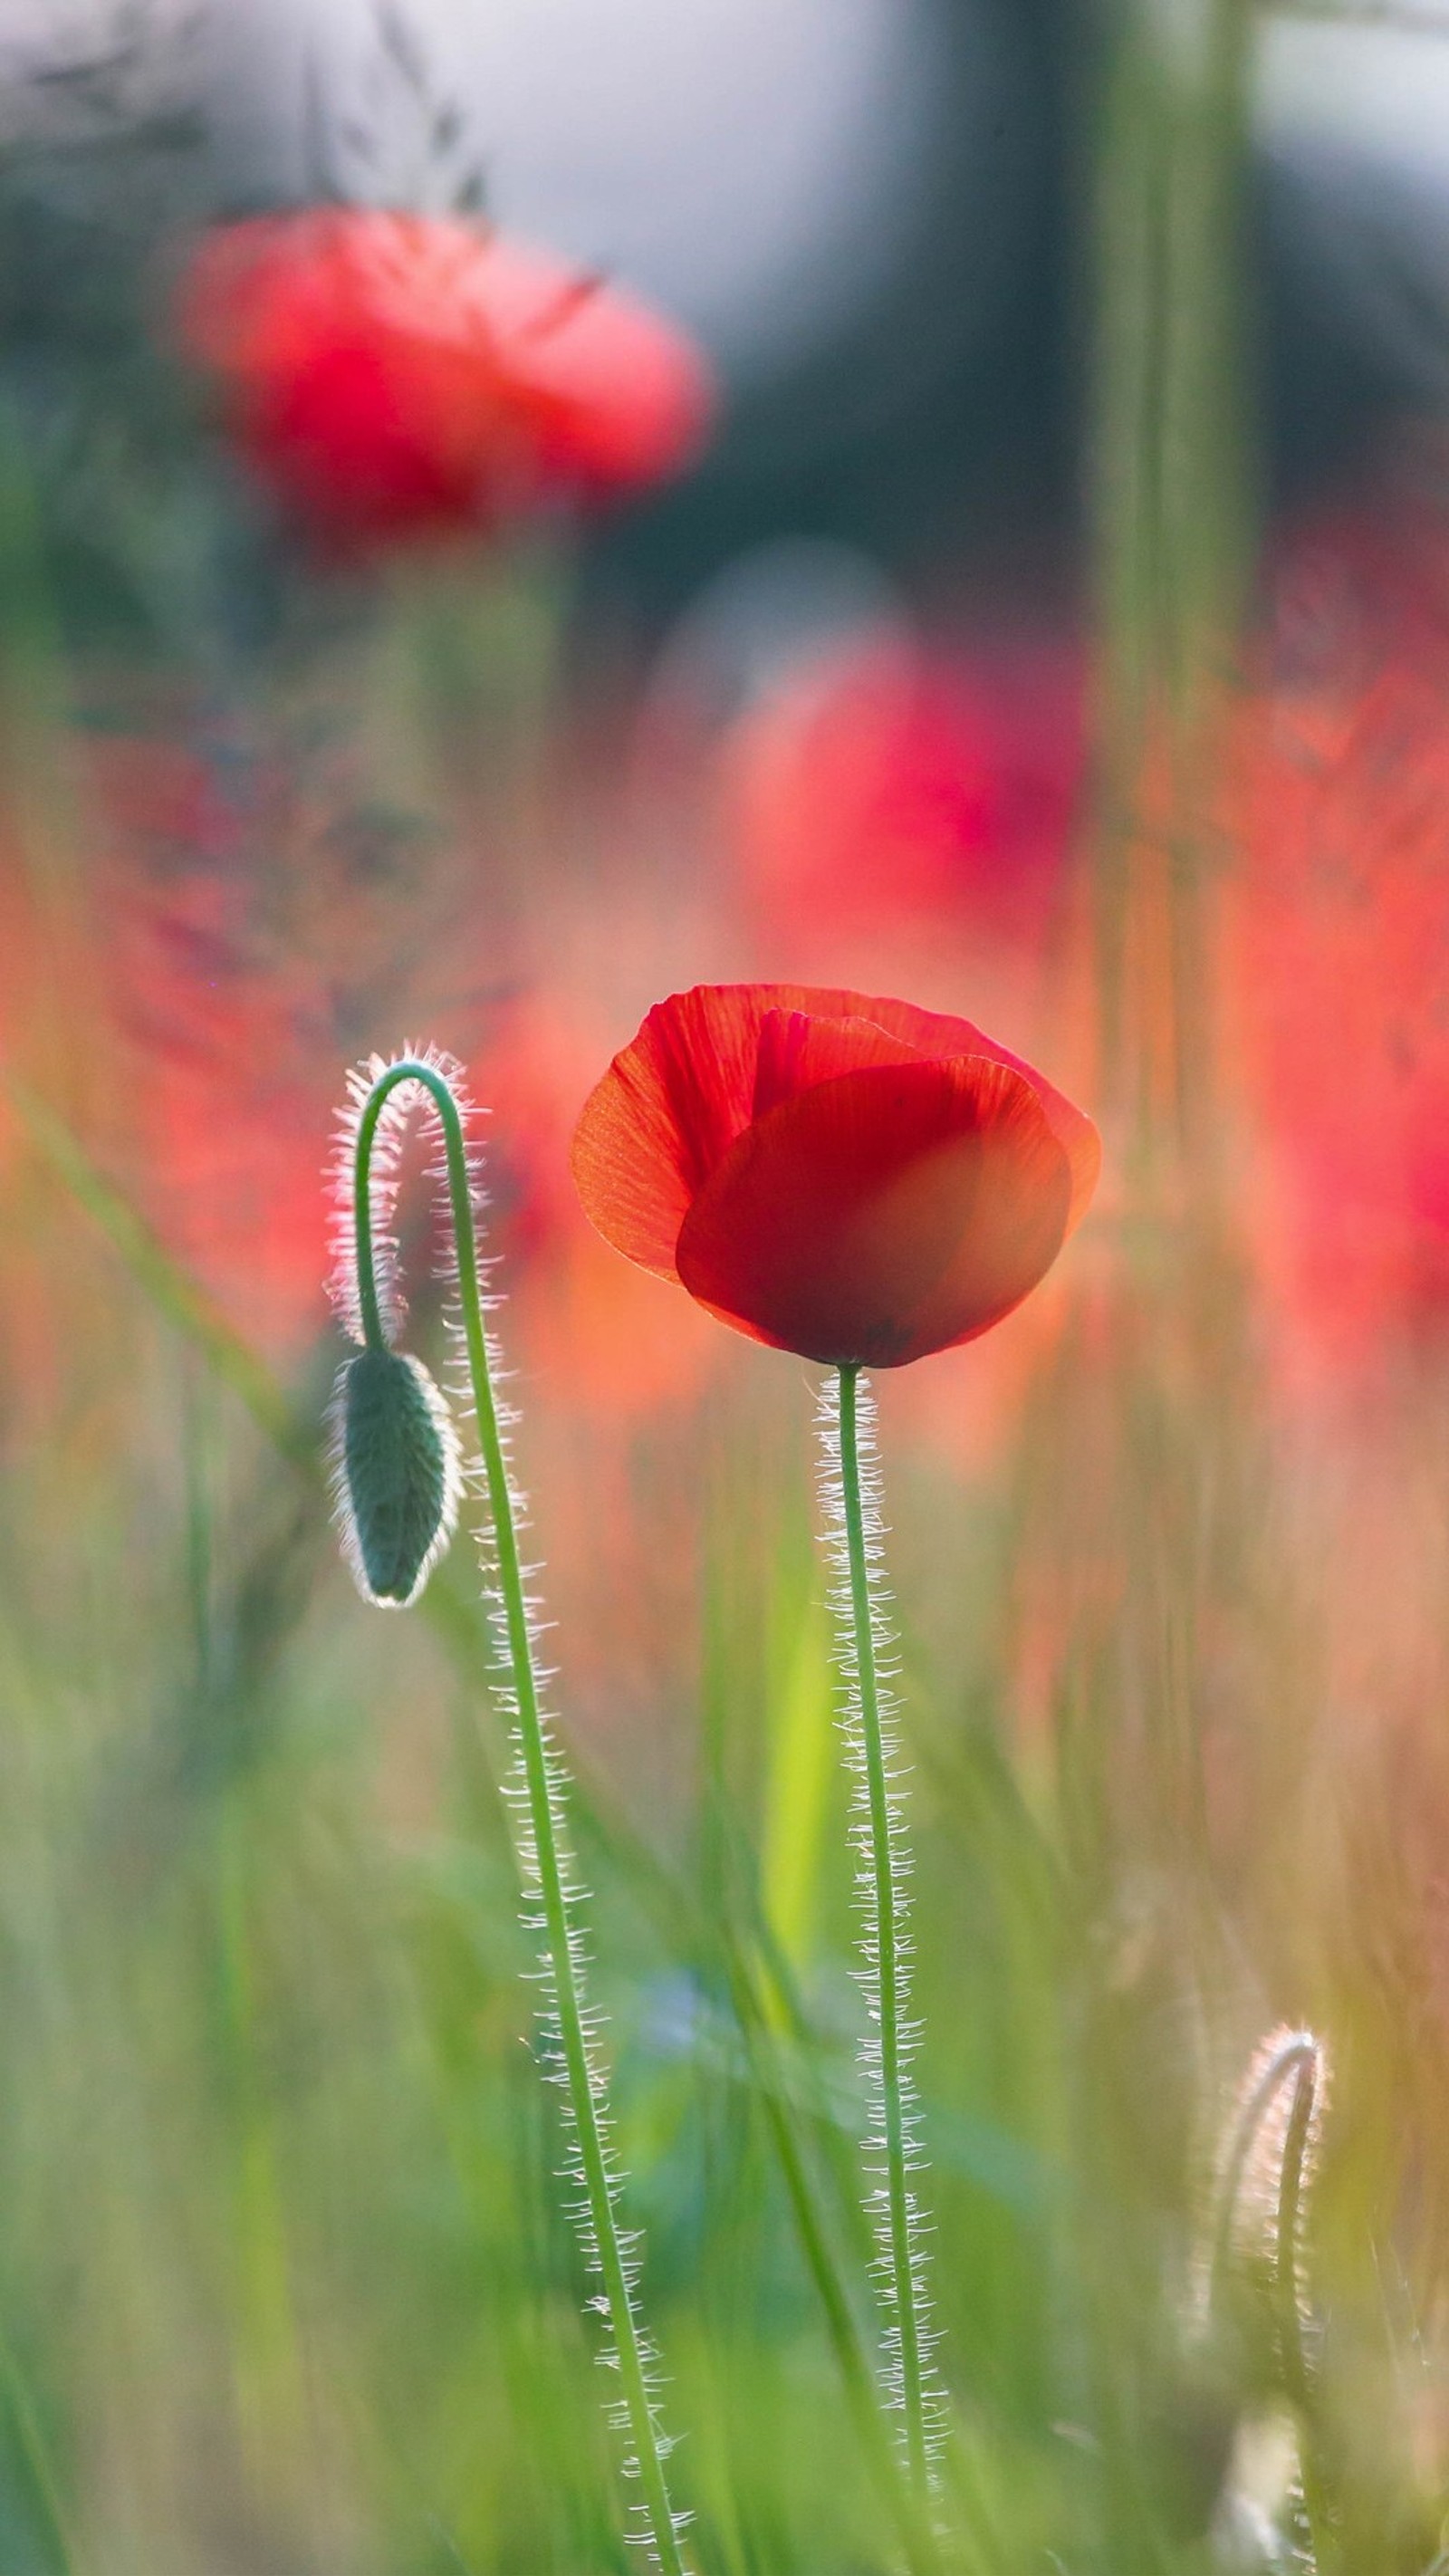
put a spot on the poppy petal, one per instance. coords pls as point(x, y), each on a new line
point(670, 1105)
point(940, 1034)
point(882, 1215)
point(616, 398)
point(675, 1099)
point(797, 1049)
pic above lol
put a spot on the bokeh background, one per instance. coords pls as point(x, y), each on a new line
point(1055, 630)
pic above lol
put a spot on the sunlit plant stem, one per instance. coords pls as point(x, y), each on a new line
point(884, 1858)
point(543, 1772)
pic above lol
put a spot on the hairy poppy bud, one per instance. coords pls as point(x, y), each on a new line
point(398, 1476)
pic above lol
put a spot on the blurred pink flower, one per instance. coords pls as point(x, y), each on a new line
point(881, 788)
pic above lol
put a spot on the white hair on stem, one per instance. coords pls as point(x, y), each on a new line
point(567, 2027)
point(385, 1176)
point(893, 2149)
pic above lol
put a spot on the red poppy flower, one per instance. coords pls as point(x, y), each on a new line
point(843, 1176)
point(395, 376)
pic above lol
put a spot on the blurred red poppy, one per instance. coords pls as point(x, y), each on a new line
point(880, 786)
point(394, 376)
point(1338, 935)
point(836, 1174)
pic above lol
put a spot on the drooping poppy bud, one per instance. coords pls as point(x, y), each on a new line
point(837, 1174)
point(397, 1473)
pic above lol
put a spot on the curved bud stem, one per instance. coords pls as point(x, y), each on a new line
point(893, 2147)
point(551, 1899)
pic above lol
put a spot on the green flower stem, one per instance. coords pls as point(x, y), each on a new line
point(754, 2007)
point(542, 1790)
point(885, 1928)
point(368, 1306)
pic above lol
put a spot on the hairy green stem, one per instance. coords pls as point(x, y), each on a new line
point(885, 1931)
point(541, 1787)
point(753, 2016)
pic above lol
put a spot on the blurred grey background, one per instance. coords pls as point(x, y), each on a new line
point(866, 209)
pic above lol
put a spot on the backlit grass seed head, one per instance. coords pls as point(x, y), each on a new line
point(397, 1474)
point(1270, 2150)
point(1255, 2296)
point(1254, 2257)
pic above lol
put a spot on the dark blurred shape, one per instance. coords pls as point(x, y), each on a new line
point(1353, 119)
point(938, 422)
point(103, 160)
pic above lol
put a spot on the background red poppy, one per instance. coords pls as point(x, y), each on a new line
point(882, 788)
point(394, 376)
point(1338, 958)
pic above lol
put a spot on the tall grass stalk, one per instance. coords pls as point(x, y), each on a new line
point(381, 1097)
point(1172, 509)
point(850, 1486)
point(35, 2451)
point(1159, 1410)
